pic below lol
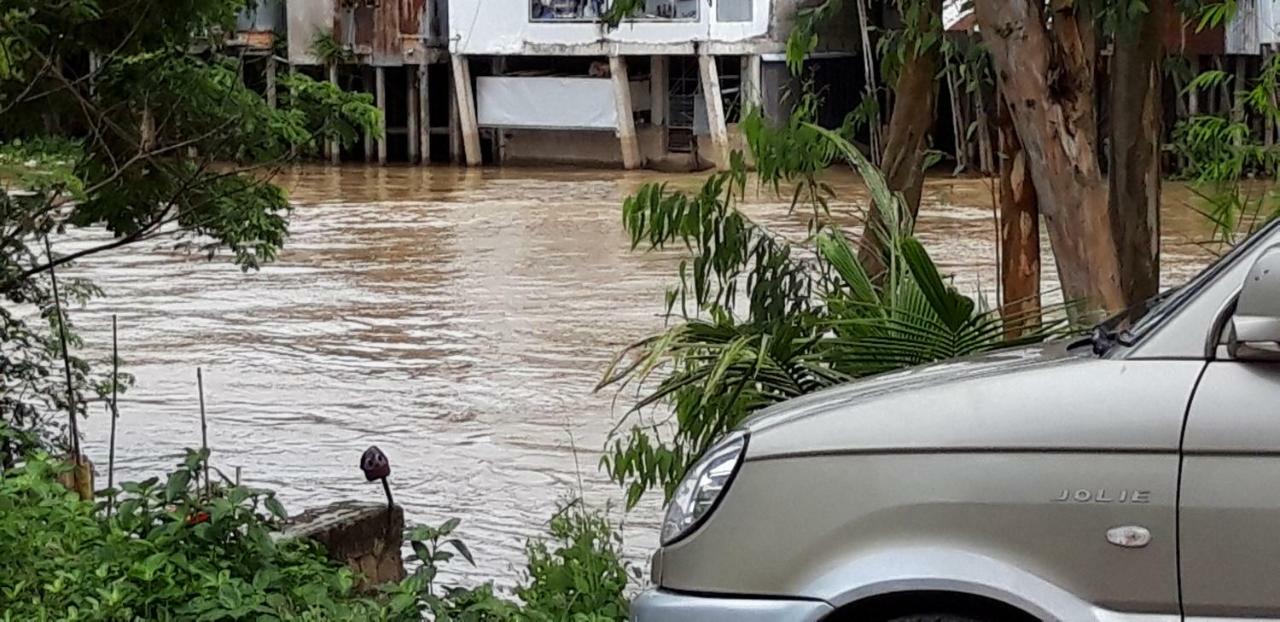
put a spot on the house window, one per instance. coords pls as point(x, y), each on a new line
point(591, 10)
point(561, 10)
point(733, 10)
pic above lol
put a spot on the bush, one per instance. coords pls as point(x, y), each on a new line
point(577, 574)
point(166, 555)
point(169, 553)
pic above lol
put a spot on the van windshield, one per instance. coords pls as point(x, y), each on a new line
point(1134, 323)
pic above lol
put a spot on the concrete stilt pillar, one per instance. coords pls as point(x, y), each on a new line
point(380, 96)
point(411, 111)
point(715, 109)
point(659, 82)
point(334, 149)
point(271, 80)
point(626, 116)
point(752, 74)
point(466, 109)
point(424, 114)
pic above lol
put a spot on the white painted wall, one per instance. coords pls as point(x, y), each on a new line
point(1269, 22)
point(552, 102)
point(307, 18)
point(503, 27)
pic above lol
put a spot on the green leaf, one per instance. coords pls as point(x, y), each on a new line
point(176, 486)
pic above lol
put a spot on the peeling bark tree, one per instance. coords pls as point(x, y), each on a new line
point(1136, 68)
point(915, 93)
point(1047, 78)
point(1019, 232)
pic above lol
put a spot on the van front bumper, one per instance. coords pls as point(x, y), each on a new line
point(665, 606)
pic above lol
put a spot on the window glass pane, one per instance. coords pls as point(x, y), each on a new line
point(733, 10)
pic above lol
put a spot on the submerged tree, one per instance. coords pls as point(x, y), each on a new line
point(129, 116)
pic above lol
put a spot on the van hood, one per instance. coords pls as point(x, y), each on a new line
point(1043, 397)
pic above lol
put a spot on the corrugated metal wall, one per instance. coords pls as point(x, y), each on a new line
point(381, 32)
point(384, 30)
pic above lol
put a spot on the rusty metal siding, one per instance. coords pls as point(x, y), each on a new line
point(382, 32)
point(411, 15)
point(386, 34)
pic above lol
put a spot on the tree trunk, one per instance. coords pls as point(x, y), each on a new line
point(1047, 78)
point(1019, 232)
point(907, 140)
point(1136, 102)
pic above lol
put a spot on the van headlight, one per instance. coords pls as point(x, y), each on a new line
point(702, 488)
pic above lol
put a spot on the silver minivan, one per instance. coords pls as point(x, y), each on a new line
point(1130, 476)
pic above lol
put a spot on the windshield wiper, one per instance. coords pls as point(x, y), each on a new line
point(1103, 338)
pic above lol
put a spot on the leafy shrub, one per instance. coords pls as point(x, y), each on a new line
point(166, 555)
point(577, 574)
point(169, 553)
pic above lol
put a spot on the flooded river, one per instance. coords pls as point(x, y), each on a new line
point(458, 319)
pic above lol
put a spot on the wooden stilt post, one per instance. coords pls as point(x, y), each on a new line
point(498, 67)
point(424, 113)
point(715, 109)
point(368, 138)
point(1193, 97)
point(626, 115)
point(466, 109)
point(1224, 91)
point(1238, 85)
point(1268, 122)
point(411, 112)
point(334, 149)
point(271, 79)
point(455, 125)
point(380, 96)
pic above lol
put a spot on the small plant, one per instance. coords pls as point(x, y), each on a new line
point(578, 573)
point(330, 51)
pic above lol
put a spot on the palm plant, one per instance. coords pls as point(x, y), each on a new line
point(809, 316)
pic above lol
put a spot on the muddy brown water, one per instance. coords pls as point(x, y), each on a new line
point(458, 319)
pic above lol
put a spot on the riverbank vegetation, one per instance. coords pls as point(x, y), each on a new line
point(131, 117)
point(168, 552)
point(756, 319)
